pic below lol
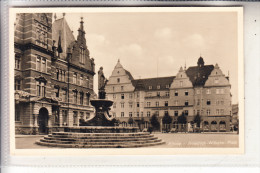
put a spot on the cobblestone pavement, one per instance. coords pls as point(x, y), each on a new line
point(173, 140)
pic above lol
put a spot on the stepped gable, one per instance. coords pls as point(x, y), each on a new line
point(199, 74)
point(62, 31)
point(144, 84)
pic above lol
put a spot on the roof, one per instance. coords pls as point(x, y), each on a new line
point(129, 74)
point(144, 84)
point(199, 75)
point(61, 27)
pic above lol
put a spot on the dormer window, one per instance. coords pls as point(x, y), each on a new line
point(158, 86)
point(150, 87)
point(167, 86)
point(118, 80)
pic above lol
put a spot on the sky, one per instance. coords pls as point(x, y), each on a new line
point(158, 44)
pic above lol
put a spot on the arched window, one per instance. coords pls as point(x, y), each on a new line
point(222, 125)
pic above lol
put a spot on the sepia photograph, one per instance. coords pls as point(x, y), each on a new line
point(123, 79)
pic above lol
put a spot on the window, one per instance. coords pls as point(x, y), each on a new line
point(176, 93)
point(137, 114)
point(64, 117)
point(41, 35)
point(148, 114)
point(208, 91)
point(75, 96)
point(186, 112)
point(222, 102)
point(122, 96)
point(166, 103)
point(122, 114)
point(217, 111)
point(122, 105)
point(87, 98)
point(167, 93)
point(186, 102)
point(158, 86)
point(157, 104)
point(57, 74)
point(167, 86)
point(150, 87)
point(75, 118)
point(81, 97)
point(17, 63)
point(130, 114)
point(17, 85)
point(41, 88)
point(38, 63)
point(142, 114)
point(113, 88)
point(148, 104)
point(216, 80)
point(198, 102)
point(208, 111)
point(118, 80)
point(57, 92)
point(114, 114)
point(222, 111)
point(138, 104)
point(41, 64)
point(81, 80)
point(186, 93)
point(157, 113)
point(114, 105)
point(181, 83)
point(137, 94)
point(122, 88)
point(75, 78)
point(81, 55)
point(87, 82)
point(158, 94)
point(176, 113)
point(166, 113)
point(208, 102)
point(176, 102)
point(114, 96)
point(198, 112)
point(130, 95)
point(130, 105)
point(64, 95)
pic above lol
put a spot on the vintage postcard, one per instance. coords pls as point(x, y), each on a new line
point(131, 81)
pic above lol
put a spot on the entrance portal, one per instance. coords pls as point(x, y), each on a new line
point(43, 121)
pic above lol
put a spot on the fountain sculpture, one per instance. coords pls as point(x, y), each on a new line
point(101, 131)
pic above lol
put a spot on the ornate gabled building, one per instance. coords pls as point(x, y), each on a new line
point(53, 74)
point(201, 90)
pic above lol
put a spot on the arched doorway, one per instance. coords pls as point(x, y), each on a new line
point(43, 121)
point(222, 126)
point(214, 127)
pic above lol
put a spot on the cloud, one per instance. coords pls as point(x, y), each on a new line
point(96, 40)
point(163, 33)
point(130, 50)
point(194, 40)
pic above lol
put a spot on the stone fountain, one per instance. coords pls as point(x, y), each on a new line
point(100, 131)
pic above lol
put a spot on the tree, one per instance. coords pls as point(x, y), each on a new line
point(155, 122)
point(140, 122)
point(130, 121)
point(182, 119)
point(167, 120)
point(197, 120)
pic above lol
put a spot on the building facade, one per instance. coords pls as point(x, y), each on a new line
point(53, 74)
point(201, 90)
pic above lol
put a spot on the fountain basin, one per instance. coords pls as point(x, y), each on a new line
point(97, 103)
